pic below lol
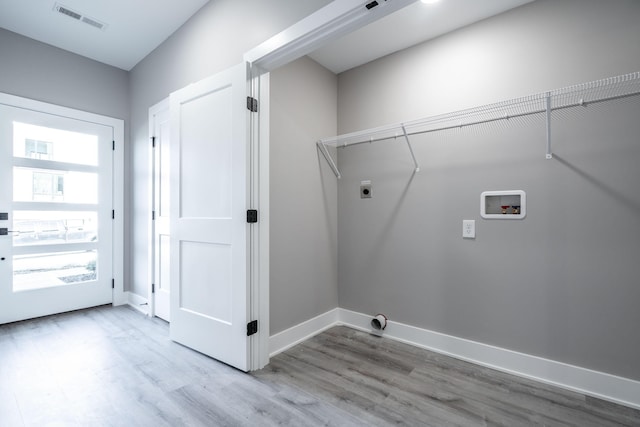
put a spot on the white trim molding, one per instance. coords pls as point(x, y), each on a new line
point(260, 294)
point(137, 302)
point(592, 383)
point(328, 23)
point(601, 385)
point(295, 335)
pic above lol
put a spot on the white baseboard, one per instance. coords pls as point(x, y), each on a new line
point(592, 383)
point(305, 330)
point(136, 301)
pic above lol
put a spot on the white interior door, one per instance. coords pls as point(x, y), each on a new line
point(209, 238)
point(161, 280)
point(56, 190)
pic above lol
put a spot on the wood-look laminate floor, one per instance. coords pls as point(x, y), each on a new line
point(115, 367)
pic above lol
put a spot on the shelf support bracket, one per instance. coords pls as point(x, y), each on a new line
point(413, 156)
point(549, 153)
point(325, 152)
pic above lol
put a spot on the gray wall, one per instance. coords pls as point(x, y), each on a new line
point(303, 195)
point(214, 39)
point(38, 71)
point(562, 283)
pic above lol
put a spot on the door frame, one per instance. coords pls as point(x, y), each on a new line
point(117, 273)
point(259, 307)
point(328, 23)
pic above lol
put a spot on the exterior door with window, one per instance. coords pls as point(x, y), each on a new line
point(56, 191)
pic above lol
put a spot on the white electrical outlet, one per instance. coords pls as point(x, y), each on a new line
point(469, 228)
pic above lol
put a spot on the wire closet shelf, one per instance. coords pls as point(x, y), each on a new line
point(541, 103)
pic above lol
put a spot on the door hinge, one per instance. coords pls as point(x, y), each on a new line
point(113, 146)
point(252, 216)
point(153, 215)
point(113, 283)
point(252, 104)
point(371, 5)
point(113, 214)
point(252, 328)
point(153, 142)
point(153, 288)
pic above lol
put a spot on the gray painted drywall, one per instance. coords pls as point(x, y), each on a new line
point(211, 41)
point(560, 284)
point(35, 70)
point(303, 195)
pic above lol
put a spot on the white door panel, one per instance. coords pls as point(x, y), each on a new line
point(209, 193)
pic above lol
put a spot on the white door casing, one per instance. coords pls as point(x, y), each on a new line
point(303, 37)
point(210, 296)
point(159, 248)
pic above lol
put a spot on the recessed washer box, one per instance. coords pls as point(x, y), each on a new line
point(508, 204)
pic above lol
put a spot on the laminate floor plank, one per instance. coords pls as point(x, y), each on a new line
point(113, 367)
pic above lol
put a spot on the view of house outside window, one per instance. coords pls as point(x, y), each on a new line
point(64, 176)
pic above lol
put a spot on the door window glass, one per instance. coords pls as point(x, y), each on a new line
point(54, 227)
point(48, 185)
point(45, 270)
point(44, 143)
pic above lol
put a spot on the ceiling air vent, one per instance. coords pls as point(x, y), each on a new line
point(93, 22)
point(68, 12)
point(79, 17)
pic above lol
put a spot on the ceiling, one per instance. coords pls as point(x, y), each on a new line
point(409, 26)
point(132, 29)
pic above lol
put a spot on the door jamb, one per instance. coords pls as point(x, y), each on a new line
point(329, 22)
point(259, 232)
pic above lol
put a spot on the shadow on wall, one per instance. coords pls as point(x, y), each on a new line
point(385, 229)
point(620, 197)
point(329, 197)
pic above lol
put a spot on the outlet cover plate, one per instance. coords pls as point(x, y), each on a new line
point(469, 228)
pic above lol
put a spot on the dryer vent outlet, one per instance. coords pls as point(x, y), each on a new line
point(379, 322)
point(365, 190)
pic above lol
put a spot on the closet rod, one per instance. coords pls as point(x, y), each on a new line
point(542, 100)
point(330, 141)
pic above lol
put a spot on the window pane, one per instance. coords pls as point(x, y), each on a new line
point(51, 227)
point(49, 270)
point(48, 185)
point(39, 142)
